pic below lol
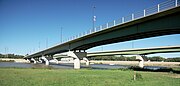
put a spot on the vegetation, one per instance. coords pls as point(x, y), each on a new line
point(6, 60)
point(110, 58)
point(11, 56)
point(133, 58)
point(68, 77)
point(114, 58)
point(172, 60)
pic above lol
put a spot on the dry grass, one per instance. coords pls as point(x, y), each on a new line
point(135, 63)
point(64, 77)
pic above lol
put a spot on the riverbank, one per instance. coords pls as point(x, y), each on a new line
point(135, 63)
point(84, 77)
point(13, 60)
point(131, 63)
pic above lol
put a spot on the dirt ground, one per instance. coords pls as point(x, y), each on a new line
point(135, 63)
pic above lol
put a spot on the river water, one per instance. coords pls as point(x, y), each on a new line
point(69, 66)
point(62, 65)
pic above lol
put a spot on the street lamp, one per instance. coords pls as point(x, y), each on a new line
point(94, 17)
point(61, 34)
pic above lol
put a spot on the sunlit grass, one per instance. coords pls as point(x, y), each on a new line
point(83, 77)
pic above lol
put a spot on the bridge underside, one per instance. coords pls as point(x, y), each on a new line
point(163, 23)
point(145, 51)
point(138, 29)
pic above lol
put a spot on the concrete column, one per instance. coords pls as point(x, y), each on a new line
point(87, 61)
point(141, 61)
point(76, 63)
point(46, 61)
point(56, 61)
point(28, 60)
point(77, 56)
point(40, 60)
point(32, 59)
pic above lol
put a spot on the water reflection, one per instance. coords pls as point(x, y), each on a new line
point(13, 64)
point(71, 66)
point(62, 65)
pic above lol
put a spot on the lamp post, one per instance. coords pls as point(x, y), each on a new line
point(94, 17)
point(46, 42)
point(61, 34)
point(39, 46)
point(132, 44)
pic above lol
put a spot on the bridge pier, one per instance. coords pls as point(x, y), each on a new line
point(56, 60)
point(141, 60)
point(34, 61)
point(77, 63)
point(40, 60)
point(28, 60)
point(77, 56)
point(87, 61)
point(45, 59)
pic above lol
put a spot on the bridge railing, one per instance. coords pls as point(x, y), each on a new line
point(134, 16)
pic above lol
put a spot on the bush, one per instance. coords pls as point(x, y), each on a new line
point(137, 76)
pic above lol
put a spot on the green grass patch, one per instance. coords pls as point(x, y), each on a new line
point(83, 77)
point(176, 68)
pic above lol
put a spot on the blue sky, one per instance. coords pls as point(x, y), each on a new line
point(24, 24)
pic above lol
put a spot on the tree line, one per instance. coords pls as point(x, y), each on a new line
point(11, 56)
point(133, 58)
point(111, 58)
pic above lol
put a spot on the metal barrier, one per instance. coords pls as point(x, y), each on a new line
point(146, 12)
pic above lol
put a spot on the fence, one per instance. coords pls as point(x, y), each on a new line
point(134, 16)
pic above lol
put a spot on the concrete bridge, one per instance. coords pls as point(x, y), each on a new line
point(140, 53)
point(162, 21)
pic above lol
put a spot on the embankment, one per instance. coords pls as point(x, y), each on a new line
point(135, 63)
point(13, 60)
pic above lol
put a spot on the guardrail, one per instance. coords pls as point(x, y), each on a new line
point(134, 16)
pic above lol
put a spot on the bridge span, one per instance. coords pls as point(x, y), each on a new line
point(140, 51)
point(159, 22)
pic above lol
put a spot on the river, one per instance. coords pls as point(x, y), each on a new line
point(69, 66)
point(62, 65)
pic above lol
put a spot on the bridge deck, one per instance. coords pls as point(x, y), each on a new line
point(143, 51)
point(162, 23)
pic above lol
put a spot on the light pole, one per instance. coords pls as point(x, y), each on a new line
point(5, 52)
point(46, 42)
point(94, 17)
point(132, 44)
point(39, 46)
point(61, 34)
point(102, 47)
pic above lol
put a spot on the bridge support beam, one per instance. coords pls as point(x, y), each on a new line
point(28, 60)
point(87, 61)
point(56, 61)
point(77, 63)
point(77, 56)
point(45, 59)
point(141, 60)
point(34, 61)
point(40, 60)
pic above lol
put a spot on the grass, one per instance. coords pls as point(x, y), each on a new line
point(83, 77)
point(176, 68)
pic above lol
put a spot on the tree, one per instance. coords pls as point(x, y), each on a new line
point(156, 58)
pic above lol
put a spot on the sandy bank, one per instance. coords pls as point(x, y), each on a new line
point(15, 60)
point(135, 63)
